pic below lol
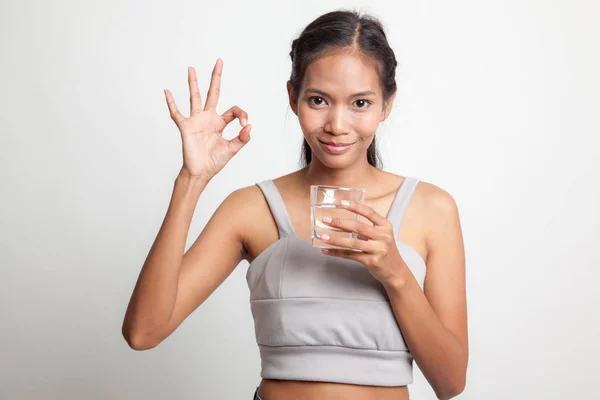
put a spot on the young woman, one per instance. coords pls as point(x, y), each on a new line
point(329, 325)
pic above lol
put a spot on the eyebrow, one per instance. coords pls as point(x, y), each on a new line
point(363, 93)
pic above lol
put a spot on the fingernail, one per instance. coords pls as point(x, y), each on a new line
point(327, 220)
point(325, 236)
point(345, 203)
point(324, 251)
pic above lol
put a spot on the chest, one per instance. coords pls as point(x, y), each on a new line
point(263, 231)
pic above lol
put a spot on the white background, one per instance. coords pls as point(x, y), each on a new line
point(497, 104)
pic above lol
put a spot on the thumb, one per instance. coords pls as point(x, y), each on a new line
point(240, 140)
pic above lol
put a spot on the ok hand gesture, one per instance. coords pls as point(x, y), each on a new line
point(205, 151)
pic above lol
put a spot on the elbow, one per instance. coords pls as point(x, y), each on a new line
point(140, 345)
point(451, 390)
point(454, 381)
point(139, 342)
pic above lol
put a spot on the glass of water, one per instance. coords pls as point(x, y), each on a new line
point(325, 201)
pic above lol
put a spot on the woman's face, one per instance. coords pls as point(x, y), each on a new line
point(340, 102)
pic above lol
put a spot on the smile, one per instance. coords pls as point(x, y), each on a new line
point(336, 148)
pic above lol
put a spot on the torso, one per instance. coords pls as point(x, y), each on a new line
point(261, 232)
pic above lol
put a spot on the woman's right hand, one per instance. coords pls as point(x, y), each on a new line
point(205, 151)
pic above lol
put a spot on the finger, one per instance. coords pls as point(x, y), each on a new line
point(215, 86)
point(233, 113)
point(240, 140)
point(366, 211)
point(347, 254)
point(352, 225)
point(175, 114)
point(347, 243)
point(195, 98)
point(362, 237)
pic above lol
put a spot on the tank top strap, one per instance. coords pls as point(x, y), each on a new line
point(278, 209)
point(400, 202)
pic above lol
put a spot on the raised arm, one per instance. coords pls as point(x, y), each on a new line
point(172, 284)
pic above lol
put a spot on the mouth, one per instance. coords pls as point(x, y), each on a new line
point(336, 148)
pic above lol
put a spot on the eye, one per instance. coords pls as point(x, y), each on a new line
point(362, 103)
point(316, 100)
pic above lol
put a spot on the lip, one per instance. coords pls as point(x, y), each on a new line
point(331, 149)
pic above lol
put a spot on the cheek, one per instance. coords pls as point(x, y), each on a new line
point(366, 124)
point(310, 120)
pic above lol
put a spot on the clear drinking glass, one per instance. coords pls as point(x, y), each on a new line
point(325, 201)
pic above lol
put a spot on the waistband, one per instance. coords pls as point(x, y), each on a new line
point(337, 364)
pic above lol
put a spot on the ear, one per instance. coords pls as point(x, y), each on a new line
point(387, 108)
point(293, 104)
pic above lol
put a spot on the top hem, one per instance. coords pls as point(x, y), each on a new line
point(337, 364)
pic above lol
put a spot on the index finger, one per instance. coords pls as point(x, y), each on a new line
point(366, 211)
point(215, 86)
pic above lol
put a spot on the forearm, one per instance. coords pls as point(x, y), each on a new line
point(154, 295)
point(436, 350)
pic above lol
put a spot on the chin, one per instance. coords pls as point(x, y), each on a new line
point(335, 161)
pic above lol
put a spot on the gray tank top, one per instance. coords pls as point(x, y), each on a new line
point(323, 318)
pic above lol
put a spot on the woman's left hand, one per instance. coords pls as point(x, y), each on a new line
point(378, 250)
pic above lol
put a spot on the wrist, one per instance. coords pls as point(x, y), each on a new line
point(398, 281)
point(189, 186)
point(184, 174)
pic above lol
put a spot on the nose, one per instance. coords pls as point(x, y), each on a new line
point(336, 122)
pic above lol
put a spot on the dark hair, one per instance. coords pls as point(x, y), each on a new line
point(346, 31)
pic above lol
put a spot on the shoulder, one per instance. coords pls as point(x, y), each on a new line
point(440, 211)
point(232, 214)
point(426, 197)
point(251, 206)
point(238, 199)
point(242, 209)
point(435, 200)
point(251, 198)
point(432, 203)
point(244, 199)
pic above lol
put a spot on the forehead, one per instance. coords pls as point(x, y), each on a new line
point(342, 73)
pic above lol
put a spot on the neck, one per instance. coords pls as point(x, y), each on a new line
point(357, 175)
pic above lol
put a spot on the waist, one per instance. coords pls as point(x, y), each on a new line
point(283, 389)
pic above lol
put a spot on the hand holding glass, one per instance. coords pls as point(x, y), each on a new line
point(325, 201)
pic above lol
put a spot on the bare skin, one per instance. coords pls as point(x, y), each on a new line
point(172, 284)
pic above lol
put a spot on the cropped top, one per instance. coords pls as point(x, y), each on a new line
point(324, 318)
